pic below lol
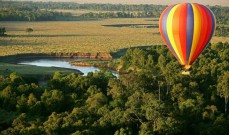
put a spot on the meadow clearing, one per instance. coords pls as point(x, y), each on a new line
point(79, 36)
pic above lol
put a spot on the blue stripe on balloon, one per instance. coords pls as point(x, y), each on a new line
point(213, 24)
point(189, 31)
point(164, 29)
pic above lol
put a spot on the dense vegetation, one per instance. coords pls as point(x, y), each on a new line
point(151, 97)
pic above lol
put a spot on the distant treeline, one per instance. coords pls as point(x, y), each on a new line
point(40, 11)
point(31, 15)
point(36, 11)
point(47, 15)
point(122, 14)
point(69, 5)
point(221, 14)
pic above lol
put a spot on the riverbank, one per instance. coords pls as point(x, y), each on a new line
point(43, 66)
point(9, 64)
point(100, 60)
point(78, 55)
point(102, 64)
point(33, 71)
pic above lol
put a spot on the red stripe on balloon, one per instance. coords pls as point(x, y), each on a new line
point(208, 23)
point(182, 30)
point(203, 32)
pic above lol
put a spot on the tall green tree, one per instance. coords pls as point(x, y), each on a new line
point(223, 88)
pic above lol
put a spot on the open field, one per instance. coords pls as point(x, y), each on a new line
point(82, 36)
point(79, 36)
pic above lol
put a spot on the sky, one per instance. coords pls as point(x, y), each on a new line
point(160, 2)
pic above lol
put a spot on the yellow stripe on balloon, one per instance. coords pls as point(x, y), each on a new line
point(169, 26)
point(196, 32)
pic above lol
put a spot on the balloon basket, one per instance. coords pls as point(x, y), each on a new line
point(185, 72)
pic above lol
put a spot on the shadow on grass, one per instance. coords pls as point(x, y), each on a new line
point(155, 19)
point(21, 42)
point(133, 25)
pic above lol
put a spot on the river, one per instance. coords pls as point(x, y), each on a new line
point(60, 63)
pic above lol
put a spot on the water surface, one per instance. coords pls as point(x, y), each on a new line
point(60, 63)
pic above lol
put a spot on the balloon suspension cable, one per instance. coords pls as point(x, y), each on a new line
point(186, 70)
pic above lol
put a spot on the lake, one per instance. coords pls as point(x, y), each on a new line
point(61, 63)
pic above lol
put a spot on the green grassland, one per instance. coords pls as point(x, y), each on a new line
point(79, 36)
point(82, 36)
point(110, 35)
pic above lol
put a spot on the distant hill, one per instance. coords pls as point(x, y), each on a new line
point(161, 2)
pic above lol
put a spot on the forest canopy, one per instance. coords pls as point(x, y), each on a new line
point(149, 97)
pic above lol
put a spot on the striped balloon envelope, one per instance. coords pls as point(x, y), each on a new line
point(186, 29)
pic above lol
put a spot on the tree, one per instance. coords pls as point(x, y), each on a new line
point(53, 100)
point(31, 99)
point(29, 30)
point(54, 123)
point(2, 31)
point(22, 103)
point(96, 101)
point(8, 97)
point(223, 88)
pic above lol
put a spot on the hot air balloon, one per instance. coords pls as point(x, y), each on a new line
point(186, 29)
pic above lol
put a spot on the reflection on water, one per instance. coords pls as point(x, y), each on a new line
point(61, 63)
